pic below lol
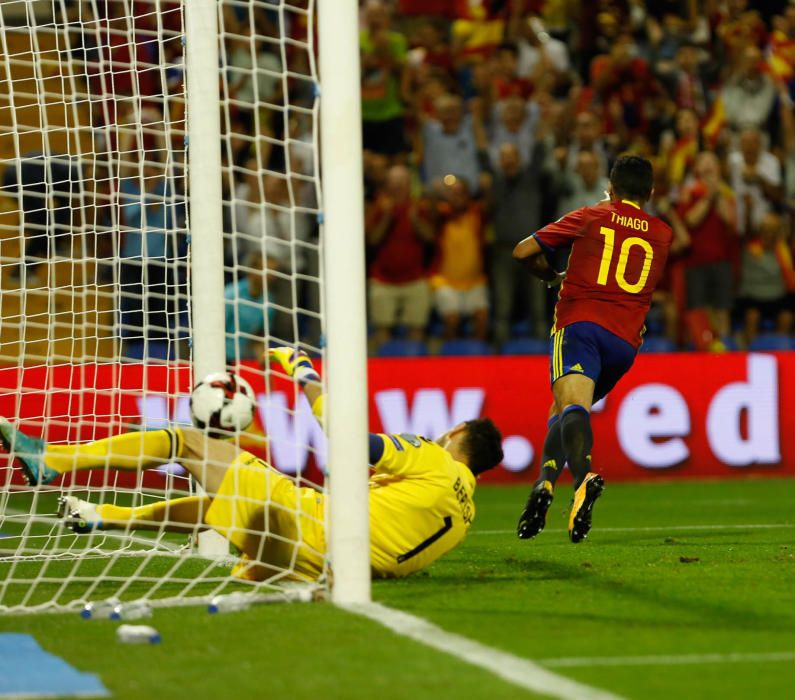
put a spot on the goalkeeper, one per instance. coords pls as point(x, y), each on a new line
point(420, 494)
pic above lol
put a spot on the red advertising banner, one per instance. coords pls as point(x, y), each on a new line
point(681, 415)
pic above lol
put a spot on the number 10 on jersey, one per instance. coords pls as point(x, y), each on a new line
point(623, 258)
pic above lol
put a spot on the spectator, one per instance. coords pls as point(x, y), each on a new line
point(448, 145)
point(708, 210)
point(767, 290)
point(266, 222)
point(383, 54)
point(248, 315)
point(254, 78)
point(539, 53)
point(582, 188)
point(460, 280)
point(48, 189)
point(153, 240)
point(588, 136)
point(678, 151)
point(506, 81)
point(748, 95)
point(688, 81)
point(755, 176)
point(623, 82)
point(514, 122)
point(516, 200)
point(398, 236)
point(375, 167)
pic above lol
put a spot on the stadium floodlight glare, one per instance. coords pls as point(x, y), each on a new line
point(161, 219)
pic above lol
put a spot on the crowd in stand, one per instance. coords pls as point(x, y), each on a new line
point(485, 120)
point(482, 121)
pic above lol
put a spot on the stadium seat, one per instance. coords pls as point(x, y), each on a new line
point(153, 350)
point(772, 342)
point(467, 347)
point(730, 343)
point(525, 346)
point(657, 344)
point(402, 347)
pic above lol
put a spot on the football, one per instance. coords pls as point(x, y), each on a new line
point(223, 404)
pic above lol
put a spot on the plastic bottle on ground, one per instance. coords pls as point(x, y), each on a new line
point(99, 610)
point(134, 610)
point(230, 602)
point(137, 634)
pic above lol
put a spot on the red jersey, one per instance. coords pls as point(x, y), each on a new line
point(618, 255)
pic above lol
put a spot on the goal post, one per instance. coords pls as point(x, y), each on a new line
point(205, 228)
point(163, 215)
point(346, 375)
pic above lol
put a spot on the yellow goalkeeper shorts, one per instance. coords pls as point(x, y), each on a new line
point(270, 519)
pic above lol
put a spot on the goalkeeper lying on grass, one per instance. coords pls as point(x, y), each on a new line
point(420, 490)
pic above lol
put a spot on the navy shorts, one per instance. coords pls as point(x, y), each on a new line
point(587, 348)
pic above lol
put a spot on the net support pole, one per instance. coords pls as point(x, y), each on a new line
point(346, 331)
point(206, 204)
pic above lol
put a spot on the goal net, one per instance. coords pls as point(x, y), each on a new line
point(100, 320)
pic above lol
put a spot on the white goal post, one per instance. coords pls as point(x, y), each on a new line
point(165, 213)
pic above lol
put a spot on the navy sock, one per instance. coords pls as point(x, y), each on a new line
point(577, 441)
point(552, 457)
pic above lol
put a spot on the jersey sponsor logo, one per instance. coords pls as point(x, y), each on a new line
point(630, 222)
point(412, 440)
point(396, 442)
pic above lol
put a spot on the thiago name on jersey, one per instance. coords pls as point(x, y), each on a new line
point(630, 222)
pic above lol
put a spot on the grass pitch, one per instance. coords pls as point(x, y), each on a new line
point(674, 571)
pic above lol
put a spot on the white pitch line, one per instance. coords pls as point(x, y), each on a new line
point(673, 660)
point(514, 669)
point(662, 528)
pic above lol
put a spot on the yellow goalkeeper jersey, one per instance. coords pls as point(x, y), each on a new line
point(420, 505)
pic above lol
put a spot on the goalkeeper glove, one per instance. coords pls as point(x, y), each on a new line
point(295, 363)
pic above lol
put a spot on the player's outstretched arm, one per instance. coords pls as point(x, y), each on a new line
point(298, 365)
point(532, 255)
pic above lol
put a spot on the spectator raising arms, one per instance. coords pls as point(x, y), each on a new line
point(708, 209)
point(398, 236)
point(460, 280)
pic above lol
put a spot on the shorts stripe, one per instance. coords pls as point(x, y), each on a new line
point(557, 365)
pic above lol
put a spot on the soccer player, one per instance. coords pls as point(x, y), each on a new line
point(616, 259)
point(420, 492)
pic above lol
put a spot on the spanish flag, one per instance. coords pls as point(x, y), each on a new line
point(714, 123)
point(783, 257)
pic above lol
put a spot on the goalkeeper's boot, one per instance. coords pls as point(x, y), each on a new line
point(78, 515)
point(28, 452)
point(295, 363)
point(534, 515)
point(582, 506)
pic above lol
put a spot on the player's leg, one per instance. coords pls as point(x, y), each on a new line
point(533, 517)
point(576, 367)
point(207, 459)
point(176, 515)
point(616, 357)
point(42, 463)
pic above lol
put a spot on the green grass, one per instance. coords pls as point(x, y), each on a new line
point(651, 580)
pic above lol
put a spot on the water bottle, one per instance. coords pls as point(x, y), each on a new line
point(137, 634)
point(299, 595)
point(231, 602)
point(134, 610)
point(99, 610)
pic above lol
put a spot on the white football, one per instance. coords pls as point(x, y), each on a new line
point(223, 404)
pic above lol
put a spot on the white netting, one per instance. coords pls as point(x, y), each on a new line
point(95, 306)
